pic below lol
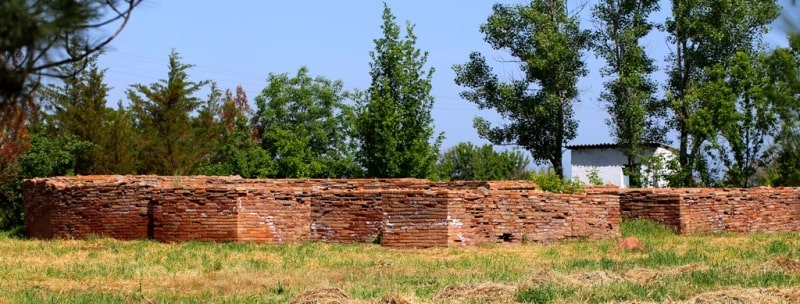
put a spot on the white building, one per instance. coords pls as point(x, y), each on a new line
point(607, 161)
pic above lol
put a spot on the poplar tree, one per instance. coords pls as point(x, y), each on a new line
point(394, 127)
point(537, 105)
point(706, 34)
point(629, 94)
point(783, 155)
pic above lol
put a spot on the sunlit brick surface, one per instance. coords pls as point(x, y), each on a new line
point(404, 213)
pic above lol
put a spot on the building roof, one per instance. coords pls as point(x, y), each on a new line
point(614, 145)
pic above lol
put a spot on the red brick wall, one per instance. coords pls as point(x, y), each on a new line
point(77, 208)
point(274, 214)
point(347, 216)
point(659, 205)
point(690, 210)
point(416, 218)
point(398, 212)
point(514, 217)
point(740, 210)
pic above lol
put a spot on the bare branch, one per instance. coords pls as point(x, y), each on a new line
point(125, 18)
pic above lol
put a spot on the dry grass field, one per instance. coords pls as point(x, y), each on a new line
point(711, 268)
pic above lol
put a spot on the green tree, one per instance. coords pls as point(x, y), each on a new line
point(539, 104)
point(208, 128)
point(162, 114)
point(46, 157)
point(240, 152)
point(740, 91)
point(305, 125)
point(629, 95)
point(77, 107)
point(120, 143)
point(705, 33)
point(394, 127)
point(783, 155)
point(466, 161)
point(52, 157)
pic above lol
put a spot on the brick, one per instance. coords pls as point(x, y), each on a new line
point(405, 213)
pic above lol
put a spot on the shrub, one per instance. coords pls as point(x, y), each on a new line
point(548, 181)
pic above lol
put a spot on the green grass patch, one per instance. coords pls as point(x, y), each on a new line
point(643, 228)
point(102, 270)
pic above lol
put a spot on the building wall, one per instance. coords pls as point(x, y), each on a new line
point(654, 177)
point(608, 163)
point(396, 212)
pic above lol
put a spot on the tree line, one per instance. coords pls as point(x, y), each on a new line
point(730, 100)
point(302, 126)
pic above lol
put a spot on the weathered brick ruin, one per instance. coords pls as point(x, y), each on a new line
point(692, 210)
point(407, 213)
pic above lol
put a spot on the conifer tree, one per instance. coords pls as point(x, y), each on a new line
point(162, 113)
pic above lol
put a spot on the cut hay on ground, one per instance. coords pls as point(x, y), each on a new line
point(593, 278)
point(393, 298)
point(644, 276)
point(785, 264)
point(322, 296)
point(502, 293)
point(736, 296)
point(477, 293)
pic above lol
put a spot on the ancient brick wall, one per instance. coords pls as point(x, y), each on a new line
point(347, 216)
point(691, 210)
point(416, 218)
point(659, 205)
point(397, 212)
point(75, 208)
point(740, 210)
point(514, 217)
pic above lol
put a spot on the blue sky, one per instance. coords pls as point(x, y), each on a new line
point(240, 42)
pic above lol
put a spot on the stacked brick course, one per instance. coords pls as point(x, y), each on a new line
point(693, 210)
point(398, 212)
point(740, 210)
point(534, 216)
